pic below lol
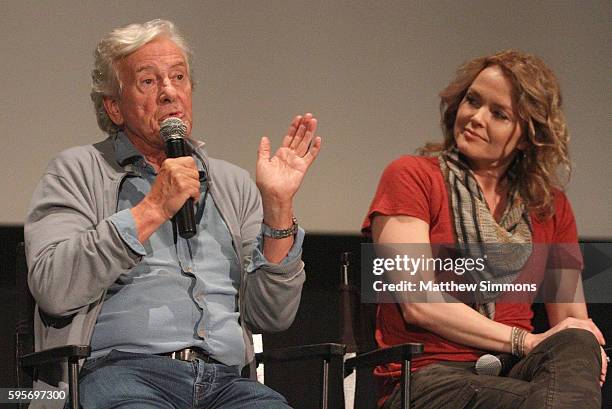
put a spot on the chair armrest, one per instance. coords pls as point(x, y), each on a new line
point(383, 356)
point(321, 351)
point(63, 353)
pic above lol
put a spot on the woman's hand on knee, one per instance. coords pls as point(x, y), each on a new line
point(532, 340)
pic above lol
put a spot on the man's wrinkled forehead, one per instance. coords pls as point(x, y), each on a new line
point(150, 67)
point(149, 58)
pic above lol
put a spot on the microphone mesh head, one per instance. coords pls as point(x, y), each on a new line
point(172, 128)
point(488, 365)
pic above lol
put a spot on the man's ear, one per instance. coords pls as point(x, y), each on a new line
point(112, 109)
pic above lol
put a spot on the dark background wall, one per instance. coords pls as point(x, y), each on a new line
point(317, 321)
point(9, 237)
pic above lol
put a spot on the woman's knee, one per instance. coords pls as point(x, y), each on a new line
point(576, 342)
point(578, 336)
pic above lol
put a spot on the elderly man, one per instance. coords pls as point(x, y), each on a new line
point(169, 319)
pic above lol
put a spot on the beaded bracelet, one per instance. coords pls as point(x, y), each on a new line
point(517, 341)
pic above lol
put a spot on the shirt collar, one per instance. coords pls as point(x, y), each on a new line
point(125, 153)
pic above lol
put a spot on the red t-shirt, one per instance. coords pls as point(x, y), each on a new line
point(414, 186)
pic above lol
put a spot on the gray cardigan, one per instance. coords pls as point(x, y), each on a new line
point(75, 253)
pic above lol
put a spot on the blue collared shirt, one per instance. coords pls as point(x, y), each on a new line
point(184, 292)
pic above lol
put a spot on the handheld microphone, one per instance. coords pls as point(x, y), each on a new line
point(494, 365)
point(172, 132)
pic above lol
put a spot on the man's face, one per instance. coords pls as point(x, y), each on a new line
point(155, 85)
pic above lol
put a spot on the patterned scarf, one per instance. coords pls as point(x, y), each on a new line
point(507, 244)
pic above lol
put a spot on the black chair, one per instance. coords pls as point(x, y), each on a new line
point(398, 353)
point(30, 363)
point(363, 331)
point(336, 299)
point(329, 355)
point(362, 320)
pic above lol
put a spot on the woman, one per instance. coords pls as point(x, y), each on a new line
point(493, 179)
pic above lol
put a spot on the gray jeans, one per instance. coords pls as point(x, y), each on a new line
point(561, 372)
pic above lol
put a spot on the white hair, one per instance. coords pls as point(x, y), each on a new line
point(118, 44)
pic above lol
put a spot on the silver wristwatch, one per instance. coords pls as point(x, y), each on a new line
point(280, 233)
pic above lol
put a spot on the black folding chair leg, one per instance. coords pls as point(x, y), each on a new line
point(405, 384)
point(325, 380)
point(73, 379)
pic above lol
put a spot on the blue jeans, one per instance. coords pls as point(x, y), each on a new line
point(130, 380)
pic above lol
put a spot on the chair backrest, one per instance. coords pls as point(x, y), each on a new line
point(362, 318)
point(317, 321)
point(24, 320)
point(358, 319)
point(322, 318)
point(359, 316)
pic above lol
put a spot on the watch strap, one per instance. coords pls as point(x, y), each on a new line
point(280, 233)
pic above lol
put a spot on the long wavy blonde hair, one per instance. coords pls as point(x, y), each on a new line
point(545, 162)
